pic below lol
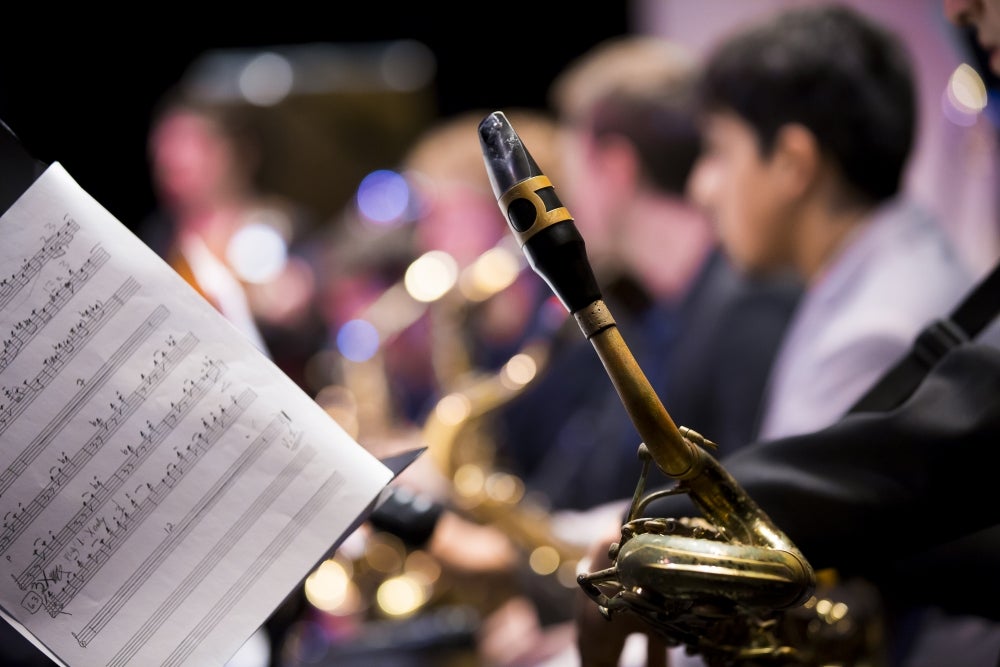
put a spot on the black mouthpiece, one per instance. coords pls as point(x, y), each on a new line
point(542, 225)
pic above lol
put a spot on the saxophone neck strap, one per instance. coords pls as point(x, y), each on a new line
point(980, 305)
point(965, 322)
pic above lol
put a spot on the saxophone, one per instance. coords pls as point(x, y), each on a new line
point(457, 430)
point(459, 434)
point(728, 584)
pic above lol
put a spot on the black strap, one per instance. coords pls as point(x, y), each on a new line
point(966, 321)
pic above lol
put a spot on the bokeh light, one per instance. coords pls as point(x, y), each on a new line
point(544, 560)
point(964, 96)
point(430, 276)
point(453, 409)
point(492, 272)
point(358, 340)
point(330, 588)
point(257, 252)
point(383, 197)
point(401, 595)
point(518, 371)
point(266, 79)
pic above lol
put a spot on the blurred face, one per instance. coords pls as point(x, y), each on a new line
point(984, 17)
point(586, 189)
point(461, 220)
point(740, 189)
point(191, 161)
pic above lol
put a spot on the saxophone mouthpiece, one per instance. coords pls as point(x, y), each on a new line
point(542, 226)
point(508, 162)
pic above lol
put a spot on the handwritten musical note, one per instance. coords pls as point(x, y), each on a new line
point(53, 246)
point(68, 467)
point(92, 321)
point(27, 328)
point(103, 491)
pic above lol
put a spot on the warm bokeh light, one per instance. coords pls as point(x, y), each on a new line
point(469, 480)
point(385, 553)
point(967, 89)
point(430, 276)
point(329, 588)
point(492, 272)
point(504, 488)
point(566, 575)
point(964, 96)
point(453, 408)
point(401, 596)
point(544, 560)
point(422, 565)
point(518, 371)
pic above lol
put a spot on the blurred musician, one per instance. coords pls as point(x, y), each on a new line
point(791, 184)
point(704, 334)
point(238, 245)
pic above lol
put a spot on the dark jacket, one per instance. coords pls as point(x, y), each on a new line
point(903, 497)
point(707, 357)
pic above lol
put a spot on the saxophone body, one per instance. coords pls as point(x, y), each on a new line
point(727, 584)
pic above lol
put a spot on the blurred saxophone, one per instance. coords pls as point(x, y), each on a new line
point(433, 286)
point(457, 431)
point(458, 434)
point(729, 584)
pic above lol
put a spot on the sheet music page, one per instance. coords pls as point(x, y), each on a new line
point(163, 485)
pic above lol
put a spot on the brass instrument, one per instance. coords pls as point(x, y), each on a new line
point(460, 442)
point(432, 279)
point(457, 430)
point(458, 433)
point(718, 584)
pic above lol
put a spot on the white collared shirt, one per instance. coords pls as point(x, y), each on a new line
point(892, 277)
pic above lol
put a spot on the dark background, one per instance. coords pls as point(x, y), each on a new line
point(81, 92)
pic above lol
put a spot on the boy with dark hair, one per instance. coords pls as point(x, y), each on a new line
point(705, 333)
point(809, 121)
point(841, 76)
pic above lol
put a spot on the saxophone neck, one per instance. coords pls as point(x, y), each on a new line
point(674, 454)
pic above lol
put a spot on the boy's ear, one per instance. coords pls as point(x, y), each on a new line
point(797, 159)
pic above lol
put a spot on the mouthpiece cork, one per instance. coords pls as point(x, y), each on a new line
point(543, 227)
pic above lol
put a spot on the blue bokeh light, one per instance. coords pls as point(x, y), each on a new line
point(384, 196)
point(358, 340)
